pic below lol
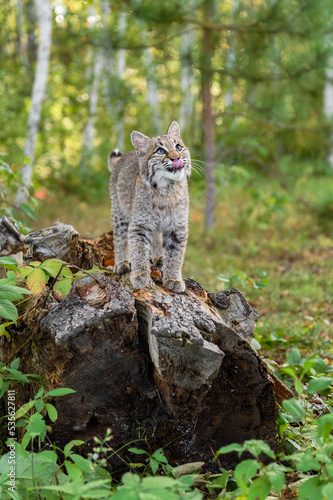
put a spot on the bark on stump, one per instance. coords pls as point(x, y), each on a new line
point(176, 368)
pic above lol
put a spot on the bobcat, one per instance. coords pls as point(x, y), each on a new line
point(149, 207)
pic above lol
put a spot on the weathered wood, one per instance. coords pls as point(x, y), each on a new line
point(11, 240)
point(62, 241)
point(150, 363)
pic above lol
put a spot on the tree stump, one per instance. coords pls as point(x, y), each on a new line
point(173, 370)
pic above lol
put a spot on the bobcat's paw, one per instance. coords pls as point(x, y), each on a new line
point(122, 267)
point(158, 261)
point(177, 286)
point(140, 279)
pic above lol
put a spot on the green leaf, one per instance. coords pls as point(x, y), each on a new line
point(311, 489)
point(137, 451)
point(9, 263)
point(308, 463)
point(245, 471)
point(319, 384)
point(257, 446)
point(15, 364)
point(189, 468)
point(275, 473)
point(130, 480)
point(12, 293)
point(36, 426)
point(73, 470)
point(52, 266)
point(325, 425)
point(51, 411)
point(220, 482)
point(70, 445)
point(47, 456)
point(327, 490)
point(63, 286)
point(24, 408)
point(230, 448)
point(159, 456)
point(255, 344)
point(39, 405)
point(8, 310)
point(294, 407)
point(259, 489)
point(61, 391)
point(81, 462)
point(154, 465)
point(36, 281)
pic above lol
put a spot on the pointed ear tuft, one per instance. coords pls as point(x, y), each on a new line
point(140, 142)
point(174, 129)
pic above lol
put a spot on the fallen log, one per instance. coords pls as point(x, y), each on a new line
point(174, 370)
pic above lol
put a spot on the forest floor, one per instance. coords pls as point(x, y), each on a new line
point(275, 245)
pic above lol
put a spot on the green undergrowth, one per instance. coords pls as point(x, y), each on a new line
point(274, 244)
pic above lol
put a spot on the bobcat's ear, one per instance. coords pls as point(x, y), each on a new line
point(140, 142)
point(174, 129)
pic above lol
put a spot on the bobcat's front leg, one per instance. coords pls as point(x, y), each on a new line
point(174, 249)
point(140, 241)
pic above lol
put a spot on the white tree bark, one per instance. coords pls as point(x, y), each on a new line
point(328, 104)
point(19, 22)
point(44, 14)
point(120, 69)
point(187, 79)
point(153, 96)
point(88, 138)
point(228, 98)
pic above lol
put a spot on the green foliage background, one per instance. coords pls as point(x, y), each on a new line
point(274, 213)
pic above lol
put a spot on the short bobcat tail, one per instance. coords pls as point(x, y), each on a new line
point(113, 158)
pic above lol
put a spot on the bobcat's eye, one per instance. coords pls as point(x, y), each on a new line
point(160, 151)
point(178, 147)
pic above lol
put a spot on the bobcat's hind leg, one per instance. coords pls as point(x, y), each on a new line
point(120, 239)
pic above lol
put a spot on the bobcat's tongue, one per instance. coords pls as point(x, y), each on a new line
point(177, 164)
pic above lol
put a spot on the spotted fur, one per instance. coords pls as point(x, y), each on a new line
point(149, 207)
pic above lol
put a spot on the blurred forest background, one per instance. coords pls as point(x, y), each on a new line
point(251, 84)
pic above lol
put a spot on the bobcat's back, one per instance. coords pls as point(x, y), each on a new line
point(124, 173)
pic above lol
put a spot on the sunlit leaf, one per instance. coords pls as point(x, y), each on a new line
point(36, 281)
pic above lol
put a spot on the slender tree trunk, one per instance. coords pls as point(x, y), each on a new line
point(121, 66)
point(328, 102)
point(88, 138)
point(44, 14)
point(208, 118)
point(187, 79)
point(19, 45)
point(231, 59)
point(153, 96)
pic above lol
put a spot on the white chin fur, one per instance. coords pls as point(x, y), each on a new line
point(178, 175)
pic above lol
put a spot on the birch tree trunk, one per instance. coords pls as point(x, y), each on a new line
point(88, 138)
point(231, 59)
point(187, 79)
point(44, 14)
point(19, 45)
point(208, 118)
point(153, 97)
point(328, 102)
point(120, 68)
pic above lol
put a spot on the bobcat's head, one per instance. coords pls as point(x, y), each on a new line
point(164, 159)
